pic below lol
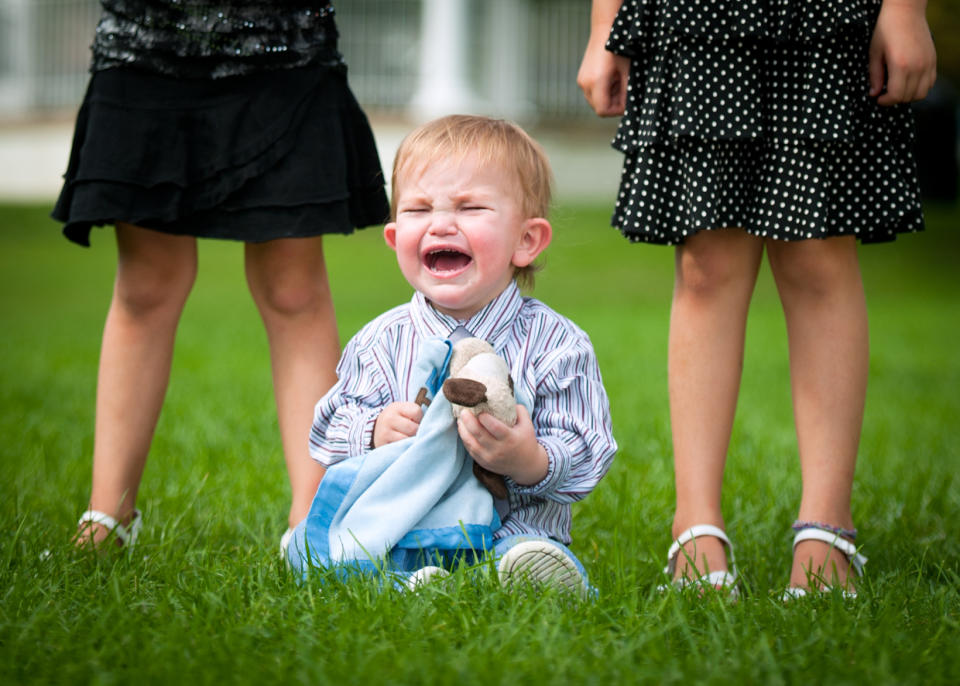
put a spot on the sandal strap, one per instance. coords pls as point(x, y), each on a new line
point(697, 531)
point(857, 561)
point(127, 534)
point(716, 580)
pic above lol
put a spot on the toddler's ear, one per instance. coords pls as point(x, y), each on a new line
point(535, 236)
point(390, 235)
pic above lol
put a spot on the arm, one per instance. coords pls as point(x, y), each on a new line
point(344, 418)
point(603, 75)
point(902, 53)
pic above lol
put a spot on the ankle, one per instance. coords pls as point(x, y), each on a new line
point(683, 522)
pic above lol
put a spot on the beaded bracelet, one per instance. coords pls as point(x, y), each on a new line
point(839, 530)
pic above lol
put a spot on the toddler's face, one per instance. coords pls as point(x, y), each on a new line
point(460, 232)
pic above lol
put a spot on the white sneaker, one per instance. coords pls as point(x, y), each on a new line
point(285, 543)
point(541, 562)
point(425, 575)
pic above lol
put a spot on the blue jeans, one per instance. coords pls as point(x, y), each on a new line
point(403, 562)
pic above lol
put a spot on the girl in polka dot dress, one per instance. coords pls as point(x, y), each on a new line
point(752, 126)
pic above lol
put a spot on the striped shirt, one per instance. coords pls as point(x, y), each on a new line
point(550, 359)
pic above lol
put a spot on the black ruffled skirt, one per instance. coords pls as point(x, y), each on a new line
point(286, 153)
point(757, 114)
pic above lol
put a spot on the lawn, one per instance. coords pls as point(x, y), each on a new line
point(204, 599)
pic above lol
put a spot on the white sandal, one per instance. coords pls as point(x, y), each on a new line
point(719, 580)
point(127, 535)
point(849, 550)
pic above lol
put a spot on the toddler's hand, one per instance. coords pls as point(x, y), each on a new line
point(901, 52)
point(396, 422)
point(511, 450)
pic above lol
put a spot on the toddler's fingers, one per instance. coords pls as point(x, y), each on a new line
point(494, 426)
point(411, 411)
point(407, 427)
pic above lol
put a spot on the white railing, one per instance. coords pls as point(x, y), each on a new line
point(521, 56)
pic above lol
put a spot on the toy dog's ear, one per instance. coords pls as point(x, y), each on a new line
point(465, 392)
point(491, 481)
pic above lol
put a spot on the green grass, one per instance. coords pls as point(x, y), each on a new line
point(204, 599)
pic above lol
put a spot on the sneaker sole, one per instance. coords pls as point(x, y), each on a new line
point(540, 563)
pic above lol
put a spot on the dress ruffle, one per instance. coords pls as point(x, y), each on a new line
point(218, 157)
point(669, 193)
point(768, 21)
point(678, 48)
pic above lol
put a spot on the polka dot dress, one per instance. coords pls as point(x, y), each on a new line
point(756, 114)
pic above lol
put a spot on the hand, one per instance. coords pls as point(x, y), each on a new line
point(603, 76)
point(396, 422)
point(902, 51)
point(511, 450)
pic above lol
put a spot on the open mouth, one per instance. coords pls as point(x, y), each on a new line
point(446, 261)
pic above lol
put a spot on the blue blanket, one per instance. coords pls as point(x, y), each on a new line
point(416, 494)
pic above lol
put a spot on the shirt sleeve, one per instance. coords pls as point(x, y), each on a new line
point(343, 418)
point(571, 416)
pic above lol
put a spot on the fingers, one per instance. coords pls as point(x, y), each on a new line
point(396, 422)
point(896, 89)
point(410, 411)
point(407, 419)
point(903, 87)
point(876, 68)
point(902, 54)
point(481, 435)
point(603, 79)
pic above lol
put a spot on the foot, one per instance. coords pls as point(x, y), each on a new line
point(817, 564)
point(285, 542)
point(822, 561)
point(698, 557)
point(424, 576)
point(541, 563)
point(97, 529)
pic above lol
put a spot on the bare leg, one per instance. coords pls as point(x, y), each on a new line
point(715, 275)
point(288, 281)
point(823, 300)
point(155, 272)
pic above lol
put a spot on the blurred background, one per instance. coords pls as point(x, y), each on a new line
point(511, 58)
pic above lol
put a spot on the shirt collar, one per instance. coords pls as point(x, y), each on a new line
point(492, 323)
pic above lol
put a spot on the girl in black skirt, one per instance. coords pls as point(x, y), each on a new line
point(228, 120)
point(772, 125)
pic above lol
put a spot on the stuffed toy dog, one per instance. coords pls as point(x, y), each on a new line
point(479, 381)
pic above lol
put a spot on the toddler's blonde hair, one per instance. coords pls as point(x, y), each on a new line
point(490, 142)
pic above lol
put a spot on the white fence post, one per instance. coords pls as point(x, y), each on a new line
point(16, 32)
point(508, 65)
point(444, 86)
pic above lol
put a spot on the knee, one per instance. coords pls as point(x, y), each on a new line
point(704, 276)
point(813, 270)
point(290, 294)
point(154, 290)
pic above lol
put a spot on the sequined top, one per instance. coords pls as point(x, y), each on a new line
point(197, 39)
